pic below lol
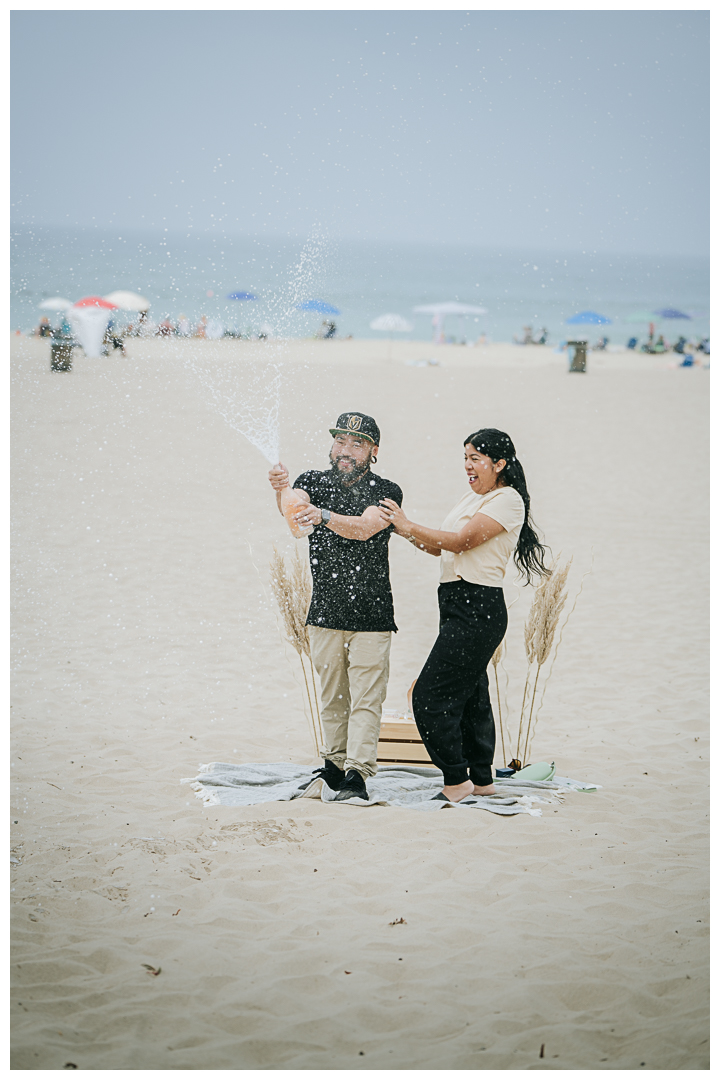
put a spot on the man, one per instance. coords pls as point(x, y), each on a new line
point(351, 615)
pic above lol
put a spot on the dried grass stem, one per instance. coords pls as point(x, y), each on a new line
point(292, 590)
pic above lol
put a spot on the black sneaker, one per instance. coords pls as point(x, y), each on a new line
point(330, 773)
point(352, 787)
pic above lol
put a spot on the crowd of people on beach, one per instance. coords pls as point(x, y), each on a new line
point(183, 327)
point(690, 349)
point(204, 328)
point(682, 346)
point(528, 338)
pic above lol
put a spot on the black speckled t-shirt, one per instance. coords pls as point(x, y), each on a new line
point(351, 578)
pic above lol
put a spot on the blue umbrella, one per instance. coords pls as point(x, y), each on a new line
point(320, 306)
point(671, 313)
point(241, 296)
point(590, 318)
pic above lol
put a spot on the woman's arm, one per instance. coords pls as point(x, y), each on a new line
point(478, 530)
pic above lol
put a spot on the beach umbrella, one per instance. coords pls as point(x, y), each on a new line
point(588, 318)
point(671, 313)
point(321, 307)
point(393, 324)
point(447, 307)
point(89, 319)
point(450, 307)
point(55, 303)
point(128, 301)
point(241, 296)
point(648, 317)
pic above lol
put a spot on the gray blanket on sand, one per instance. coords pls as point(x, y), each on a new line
point(222, 784)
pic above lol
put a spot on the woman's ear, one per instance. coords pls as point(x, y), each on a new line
point(500, 465)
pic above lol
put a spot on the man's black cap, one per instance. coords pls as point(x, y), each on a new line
point(349, 423)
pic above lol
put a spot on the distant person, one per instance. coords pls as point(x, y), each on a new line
point(165, 328)
point(601, 344)
point(201, 328)
point(43, 329)
point(660, 346)
point(527, 336)
point(330, 329)
point(542, 340)
point(141, 328)
point(679, 346)
point(113, 337)
point(183, 326)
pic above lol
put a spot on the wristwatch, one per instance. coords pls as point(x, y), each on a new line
point(326, 515)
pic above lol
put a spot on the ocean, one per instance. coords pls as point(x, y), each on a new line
point(185, 274)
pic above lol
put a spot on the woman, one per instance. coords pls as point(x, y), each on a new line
point(491, 523)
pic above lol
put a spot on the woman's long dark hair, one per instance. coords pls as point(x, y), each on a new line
point(529, 553)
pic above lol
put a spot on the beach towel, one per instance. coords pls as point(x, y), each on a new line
point(220, 783)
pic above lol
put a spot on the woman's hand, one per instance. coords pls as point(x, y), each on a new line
point(392, 514)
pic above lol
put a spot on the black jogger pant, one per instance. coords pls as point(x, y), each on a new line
point(451, 699)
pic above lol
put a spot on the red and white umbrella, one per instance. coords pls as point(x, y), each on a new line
point(89, 319)
point(94, 301)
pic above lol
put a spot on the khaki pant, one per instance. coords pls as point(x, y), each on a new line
point(353, 667)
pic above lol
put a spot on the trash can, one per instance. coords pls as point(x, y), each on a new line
point(61, 353)
point(579, 360)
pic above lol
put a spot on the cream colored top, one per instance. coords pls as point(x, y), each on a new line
point(486, 563)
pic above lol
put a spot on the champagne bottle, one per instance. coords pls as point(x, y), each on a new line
point(292, 500)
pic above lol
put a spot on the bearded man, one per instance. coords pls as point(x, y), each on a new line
point(351, 617)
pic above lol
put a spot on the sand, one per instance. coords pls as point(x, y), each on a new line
point(145, 643)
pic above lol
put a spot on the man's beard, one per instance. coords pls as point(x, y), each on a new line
point(348, 476)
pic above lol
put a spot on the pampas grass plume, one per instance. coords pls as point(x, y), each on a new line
point(542, 622)
point(293, 591)
point(292, 594)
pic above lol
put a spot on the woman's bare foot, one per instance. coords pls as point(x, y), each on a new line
point(458, 792)
point(488, 789)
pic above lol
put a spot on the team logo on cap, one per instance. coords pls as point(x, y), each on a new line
point(354, 423)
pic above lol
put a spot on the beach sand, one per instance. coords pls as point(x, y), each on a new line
point(146, 642)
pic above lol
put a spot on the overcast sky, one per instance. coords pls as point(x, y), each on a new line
point(559, 130)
